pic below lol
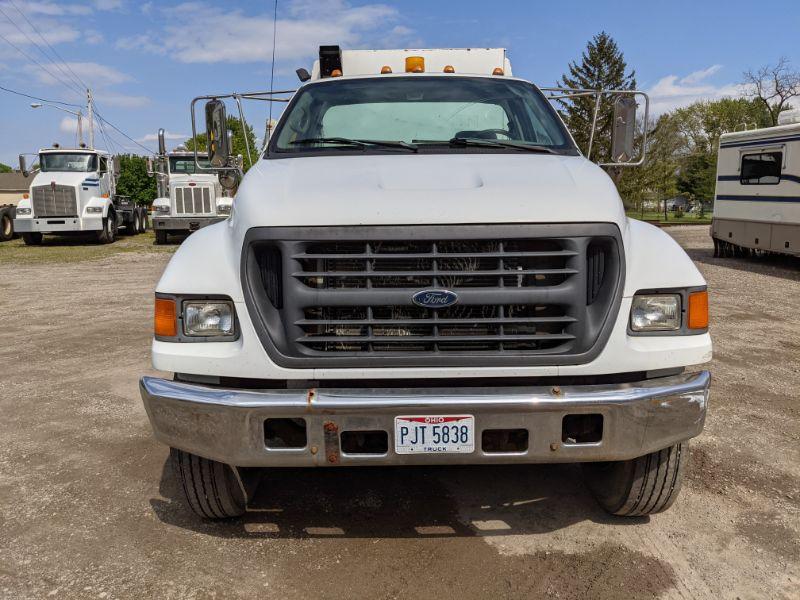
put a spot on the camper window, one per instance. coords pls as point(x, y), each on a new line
point(761, 169)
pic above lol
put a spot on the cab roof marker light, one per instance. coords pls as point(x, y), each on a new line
point(336, 73)
point(415, 64)
point(449, 69)
point(498, 71)
point(386, 69)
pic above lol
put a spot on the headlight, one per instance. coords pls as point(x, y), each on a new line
point(23, 211)
point(94, 210)
point(224, 209)
point(208, 319)
point(161, 209)
point(659, 312)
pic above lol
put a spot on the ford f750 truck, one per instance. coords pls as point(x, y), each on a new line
point(423, 269)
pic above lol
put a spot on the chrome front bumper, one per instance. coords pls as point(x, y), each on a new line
point(184, 223)
point(227, 425)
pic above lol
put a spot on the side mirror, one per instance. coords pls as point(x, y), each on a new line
point(622, 135)
point(23, 166)
point(219, 144)
point(303, 75)
point(162, 144)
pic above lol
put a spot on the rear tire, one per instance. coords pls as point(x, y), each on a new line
point(210, 487)
point(642, 486)
point(161, 237)
point(32, 239)
point(142, 220)
point(135, 224)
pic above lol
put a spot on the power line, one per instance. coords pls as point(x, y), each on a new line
point(30, 58)
point(122, 133)
point(36, 45)
point(9, 90)
point(53, 50)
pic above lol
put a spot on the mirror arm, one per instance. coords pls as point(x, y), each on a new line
point(598, 95)
point(244, 127)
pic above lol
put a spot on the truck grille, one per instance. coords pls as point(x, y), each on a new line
point(193, 201)
point(343, 296)
point(54, 201)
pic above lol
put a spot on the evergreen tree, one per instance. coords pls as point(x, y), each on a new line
point(602, 66)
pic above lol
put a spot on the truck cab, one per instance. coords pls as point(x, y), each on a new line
point(424, 269)
point(189, 196)
point(74, 192)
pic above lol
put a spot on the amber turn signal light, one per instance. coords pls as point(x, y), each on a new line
point(698, 310)
point(165, 323)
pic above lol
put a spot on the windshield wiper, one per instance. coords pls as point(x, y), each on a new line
point(352, 142)
point(484, 143)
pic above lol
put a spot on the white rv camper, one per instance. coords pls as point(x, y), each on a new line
point(757, 204)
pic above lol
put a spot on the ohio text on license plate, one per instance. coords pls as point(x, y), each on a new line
point(429, 434)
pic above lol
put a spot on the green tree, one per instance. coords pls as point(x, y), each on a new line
point(239, 146)
point(5, 168)
point(602, 67)
point(133, 180)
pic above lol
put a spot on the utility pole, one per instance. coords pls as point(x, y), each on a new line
point(91, 118)
point(80, 128)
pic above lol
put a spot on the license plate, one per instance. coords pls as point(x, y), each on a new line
point(431, 434)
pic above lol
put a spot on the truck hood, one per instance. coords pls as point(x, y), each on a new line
point(426, 189)
point(62, 178)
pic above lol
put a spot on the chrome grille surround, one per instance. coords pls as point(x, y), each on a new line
point(342, 296)
point(54, 201)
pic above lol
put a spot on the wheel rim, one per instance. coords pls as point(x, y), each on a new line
point(6, 226)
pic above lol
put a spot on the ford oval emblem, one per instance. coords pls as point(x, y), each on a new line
point(435, 298)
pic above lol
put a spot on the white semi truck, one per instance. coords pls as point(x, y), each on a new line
point(190, 193)
point(74, 192)
point(423, 269)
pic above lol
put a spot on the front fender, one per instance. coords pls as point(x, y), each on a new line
point(654, 260)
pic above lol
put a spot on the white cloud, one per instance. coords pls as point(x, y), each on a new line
point(245, 38)
point(674, 91)
point(701, 75)
point(108, 4)
point(168, 135)
point(92, 36)
point(93, 73)
point(56, 8)
point(68, 125)
point(108, 98)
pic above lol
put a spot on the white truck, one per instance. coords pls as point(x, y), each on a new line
point(74, 192)
point(757, 199)
point(190, 193)
point(423, 269)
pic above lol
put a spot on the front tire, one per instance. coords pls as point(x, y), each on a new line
point(210, 487)
point(642, 486)
point(109, 232)
point(32, 239)
point(6, 225)
point(161, 237)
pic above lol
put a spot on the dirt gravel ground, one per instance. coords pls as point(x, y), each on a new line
point(90, 509)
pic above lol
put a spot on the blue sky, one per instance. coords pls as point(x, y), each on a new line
point(145, 60)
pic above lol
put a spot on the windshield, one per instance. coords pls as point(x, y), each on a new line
point(75, 162)
point(185, 164)
point(420, 114)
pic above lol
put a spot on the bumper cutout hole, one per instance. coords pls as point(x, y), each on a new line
point(582, 429)
point(365, 442)
point(285, 433)
point(504, 440)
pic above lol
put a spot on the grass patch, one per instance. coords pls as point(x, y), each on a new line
point(69, 249)
point(685, 219)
